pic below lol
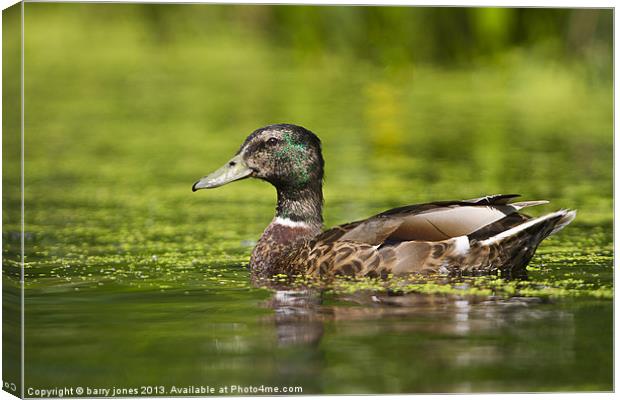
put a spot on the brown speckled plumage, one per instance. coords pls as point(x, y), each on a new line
point(478, 236)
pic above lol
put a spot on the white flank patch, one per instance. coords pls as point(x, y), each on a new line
point(461, 245)
point(290, 223)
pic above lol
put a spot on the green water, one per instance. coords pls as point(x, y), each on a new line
point(133, 280)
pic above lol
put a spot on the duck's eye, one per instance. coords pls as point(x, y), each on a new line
point(272, 141)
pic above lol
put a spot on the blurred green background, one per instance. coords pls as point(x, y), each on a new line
point(127, 105)
point(408, 101)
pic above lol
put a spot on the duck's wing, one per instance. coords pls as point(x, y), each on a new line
point(468, 235)
point(432, 222)
point(493, 199)
point(492, 249)
point(428, 237)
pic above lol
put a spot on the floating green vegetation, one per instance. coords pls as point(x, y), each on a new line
point(579, 263)
point(172, 271)
point(465, 286)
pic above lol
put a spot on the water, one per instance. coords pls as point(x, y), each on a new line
point(133, 280)
point(408, 344)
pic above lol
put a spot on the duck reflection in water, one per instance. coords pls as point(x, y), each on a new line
point(300, 315)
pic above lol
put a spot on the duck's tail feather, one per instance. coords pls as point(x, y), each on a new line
point(511, 250)
point(522, 204)
point(568, 217)
point(541, 227)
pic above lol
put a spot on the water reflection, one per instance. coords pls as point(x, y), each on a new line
point(478, 343)
point(300, 315)
point(297, 316)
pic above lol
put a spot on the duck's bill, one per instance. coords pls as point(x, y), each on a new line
point(233, 170)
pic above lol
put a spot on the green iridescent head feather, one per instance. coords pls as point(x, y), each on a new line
point(288, 156)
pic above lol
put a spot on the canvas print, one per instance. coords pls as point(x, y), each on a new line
point(233, 200)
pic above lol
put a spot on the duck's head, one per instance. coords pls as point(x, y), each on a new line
point(288, 156)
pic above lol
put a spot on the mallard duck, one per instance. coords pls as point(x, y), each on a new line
point(483, 235)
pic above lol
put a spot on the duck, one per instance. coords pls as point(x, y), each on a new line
point(484, 235)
